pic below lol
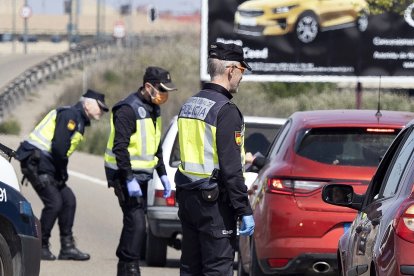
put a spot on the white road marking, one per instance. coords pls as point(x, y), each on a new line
point(88, 178)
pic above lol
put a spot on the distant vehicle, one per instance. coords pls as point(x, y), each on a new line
point(303, 18)
point(296, 232)
point(55, 38)
point(6, 37)
point(20, 237)
point(164, 227)
point(28, 38)
point(380, 240)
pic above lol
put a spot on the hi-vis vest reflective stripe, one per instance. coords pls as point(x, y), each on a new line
point(41, 137)
point(143, 143)
point(197, 122)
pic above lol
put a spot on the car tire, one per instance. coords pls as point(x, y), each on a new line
point(240, 269)
point(156, 253)
point(255, 269)
point(6, 263)
point(307, 27)
point(362, 21)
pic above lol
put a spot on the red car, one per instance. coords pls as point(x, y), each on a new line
point(296, 232)
point(381, 238)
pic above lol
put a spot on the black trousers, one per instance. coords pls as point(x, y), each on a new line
point(134, 225)
point(59, 204)
point(209, 235)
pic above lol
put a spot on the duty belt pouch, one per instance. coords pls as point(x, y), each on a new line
point(210, 195)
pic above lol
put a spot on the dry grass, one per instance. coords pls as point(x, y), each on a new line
point(180, 55)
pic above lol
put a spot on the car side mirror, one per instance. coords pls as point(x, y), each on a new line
point(337, 194)
point(342, 195)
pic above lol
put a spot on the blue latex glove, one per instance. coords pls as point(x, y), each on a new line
point(167, 186)
point(133, 188)
point(247, 227)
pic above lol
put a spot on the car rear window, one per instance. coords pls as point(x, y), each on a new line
point(258, 137)
point(345, 146)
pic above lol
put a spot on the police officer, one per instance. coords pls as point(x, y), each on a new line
point(133, 152)
point(211, 192)
point(44, 158)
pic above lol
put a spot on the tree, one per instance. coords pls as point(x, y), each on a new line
point(381, 6)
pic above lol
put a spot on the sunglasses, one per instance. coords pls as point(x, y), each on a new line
point(242, 69)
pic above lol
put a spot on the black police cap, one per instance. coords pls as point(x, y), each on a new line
point(99, 97)
point(228, 51)
point(157, 75)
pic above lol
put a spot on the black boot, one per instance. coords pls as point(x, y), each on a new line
point(128, 269)
point(69, 251)
point(46, 254)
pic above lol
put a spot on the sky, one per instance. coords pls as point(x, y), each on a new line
point(175, 6)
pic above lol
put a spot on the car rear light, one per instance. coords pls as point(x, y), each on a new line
point(381, 130)
point(278, 263)
point(288, 186)
point(404, 221)
point(161, 201)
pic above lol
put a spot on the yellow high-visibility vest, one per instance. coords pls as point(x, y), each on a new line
point(41, 137)
point(197, 128)
point(143, 143)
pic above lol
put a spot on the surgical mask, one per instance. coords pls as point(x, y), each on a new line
point(158, 98)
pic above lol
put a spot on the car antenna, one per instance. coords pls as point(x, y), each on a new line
point(379, 114)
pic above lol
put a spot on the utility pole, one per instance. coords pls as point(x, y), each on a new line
point(14, 25)
point(130, 26)
point(70, 24)
point(98, 19)
point(103, 16)
point(26, 36)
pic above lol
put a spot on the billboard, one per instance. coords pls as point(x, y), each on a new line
point(312, 40)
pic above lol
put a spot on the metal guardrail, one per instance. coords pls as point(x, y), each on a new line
point(15, 91)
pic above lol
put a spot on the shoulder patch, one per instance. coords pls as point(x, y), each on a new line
point(141, 111)
point(238, 138)
point(71, 125)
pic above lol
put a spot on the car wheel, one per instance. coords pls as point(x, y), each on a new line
point(255, 269)
point(307, 27)
point(362, 22)
point(240, 269)
point(156, 254)
point(6, 265)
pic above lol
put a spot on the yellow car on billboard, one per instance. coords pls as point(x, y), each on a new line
point(305, 18)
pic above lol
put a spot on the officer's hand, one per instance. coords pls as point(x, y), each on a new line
point(134, 190)
point(247, 227)
point(167, 186)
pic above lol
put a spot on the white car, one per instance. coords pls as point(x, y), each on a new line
point(164, 227)
point(20, 241)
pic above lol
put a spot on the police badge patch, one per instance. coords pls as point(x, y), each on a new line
point(238, 138)
point(71, 125)
point(142, 113)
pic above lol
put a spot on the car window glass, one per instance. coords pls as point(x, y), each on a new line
point(347, 146)
point(279, 139)
point(395, 172)
point(259, 136)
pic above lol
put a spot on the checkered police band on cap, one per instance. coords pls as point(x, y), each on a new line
point(157, 75)
point(229, 51)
